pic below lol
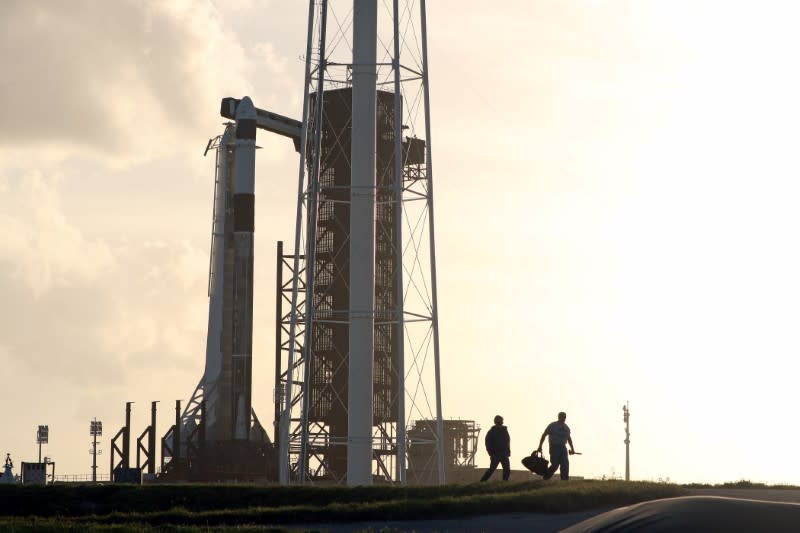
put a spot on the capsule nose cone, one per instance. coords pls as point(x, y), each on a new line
point(246, 109)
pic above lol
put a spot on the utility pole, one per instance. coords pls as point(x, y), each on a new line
point(626, 414)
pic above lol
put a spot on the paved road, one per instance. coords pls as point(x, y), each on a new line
point(505, 523)
point(767, 495)
point(535, 522)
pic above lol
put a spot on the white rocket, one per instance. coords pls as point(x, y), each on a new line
point(226, 386)
point(242, 304)
point(213, 389)
point(227, 381)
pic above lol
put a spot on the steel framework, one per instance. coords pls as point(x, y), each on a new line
point(316, 342)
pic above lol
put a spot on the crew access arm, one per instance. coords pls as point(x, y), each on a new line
point(266, 120)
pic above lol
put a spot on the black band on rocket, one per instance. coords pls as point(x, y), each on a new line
point(246, 128)
point(244, 212)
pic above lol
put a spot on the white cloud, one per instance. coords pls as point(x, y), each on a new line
point(80, 306)
point(118, 78)
point(44, 250)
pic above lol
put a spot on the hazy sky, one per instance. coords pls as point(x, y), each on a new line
point(616, 191)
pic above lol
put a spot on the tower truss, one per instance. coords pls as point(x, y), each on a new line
point(317, 309)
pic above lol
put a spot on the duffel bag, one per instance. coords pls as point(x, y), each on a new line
point(536, 463)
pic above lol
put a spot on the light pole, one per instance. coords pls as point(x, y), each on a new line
point(41, 438)
point(626, 414)
point(95, 430)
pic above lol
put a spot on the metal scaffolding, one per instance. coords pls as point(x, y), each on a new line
point(322, 322)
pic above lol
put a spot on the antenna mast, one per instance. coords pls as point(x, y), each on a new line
point(626, 414)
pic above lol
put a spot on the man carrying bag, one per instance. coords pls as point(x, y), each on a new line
point(558, 434)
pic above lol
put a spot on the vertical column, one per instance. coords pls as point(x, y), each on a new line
point(434, 297)
point(278, 394)
point(243, 227)
point(151, 440)
point(311, 245)
point(126, 437)
point(94, 457)
point(626, 415)
point(362, 245)
point(285, 420)
point(176, 434)
point(398, 249)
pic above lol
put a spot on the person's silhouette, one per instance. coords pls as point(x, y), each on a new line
point(498, 446)
point(559, 435)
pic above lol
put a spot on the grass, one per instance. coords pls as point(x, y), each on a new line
point(741, 484)
point(239, 508)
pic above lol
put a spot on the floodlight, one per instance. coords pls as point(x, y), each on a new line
point(42, 435)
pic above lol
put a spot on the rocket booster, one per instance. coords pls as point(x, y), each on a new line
point(243, 226)
point(216, 392)
point(225, 390)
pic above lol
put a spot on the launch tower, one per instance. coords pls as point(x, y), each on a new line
point(359, 332)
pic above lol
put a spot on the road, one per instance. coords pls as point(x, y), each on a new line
point(535, 522)
point(767, 495)
point(505, 523)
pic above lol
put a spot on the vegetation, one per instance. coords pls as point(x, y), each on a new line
point(741, 484)
point(247, 507)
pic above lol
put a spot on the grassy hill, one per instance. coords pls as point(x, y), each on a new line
point(232, 507)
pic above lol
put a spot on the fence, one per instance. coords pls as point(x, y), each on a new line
point(80, 478)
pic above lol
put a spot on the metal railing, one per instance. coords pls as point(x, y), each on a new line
point(80, 478)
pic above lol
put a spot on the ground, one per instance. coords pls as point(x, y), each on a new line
point(537, 522)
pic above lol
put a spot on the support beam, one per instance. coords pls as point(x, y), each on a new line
point(362, 244)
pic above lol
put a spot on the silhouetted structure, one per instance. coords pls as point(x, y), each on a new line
point(355, 325)
point(460, 445)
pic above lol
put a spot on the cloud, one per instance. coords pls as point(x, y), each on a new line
point(41, 248)
point(82, 308)
point(101, 270)
point(118, 78)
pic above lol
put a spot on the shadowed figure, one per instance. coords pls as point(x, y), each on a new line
point(498, 446)
point(558, 434)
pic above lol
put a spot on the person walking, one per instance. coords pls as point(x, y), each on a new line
point(558, 434)
point(498, 446)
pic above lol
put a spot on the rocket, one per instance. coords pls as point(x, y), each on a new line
point(243, 205)
point(225, 389)
point(215, 393)
point(222, 400)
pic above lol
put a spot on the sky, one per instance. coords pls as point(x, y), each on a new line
point(615, 196)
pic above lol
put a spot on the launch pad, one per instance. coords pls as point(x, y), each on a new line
point(357, 341)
